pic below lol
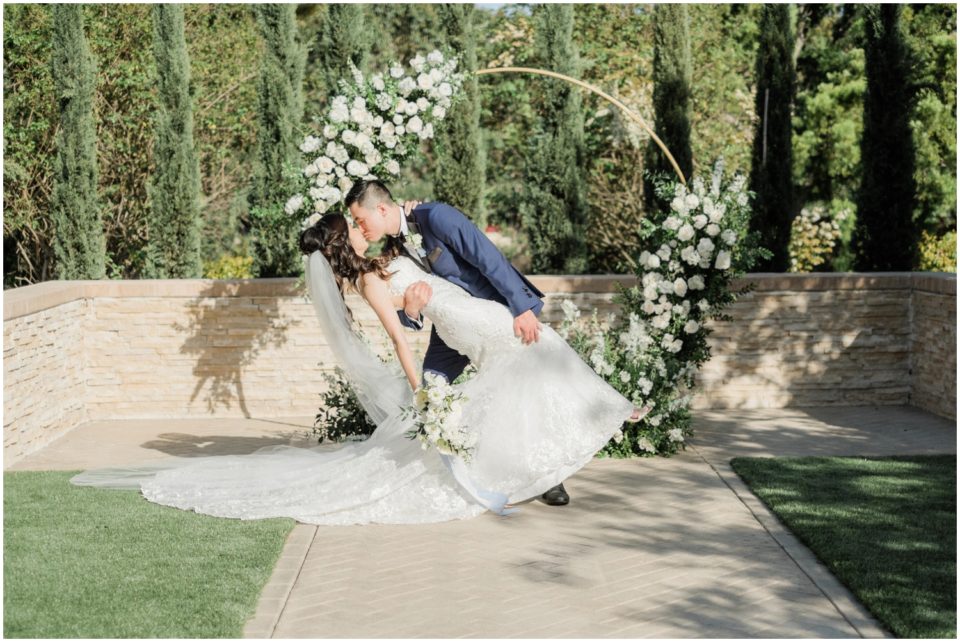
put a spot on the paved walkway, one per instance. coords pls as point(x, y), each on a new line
point(651, 547)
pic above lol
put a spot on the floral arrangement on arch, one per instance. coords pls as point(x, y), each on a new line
point(659, 342)
point(371, 126)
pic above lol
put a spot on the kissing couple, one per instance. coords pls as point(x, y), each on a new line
point(536, 412)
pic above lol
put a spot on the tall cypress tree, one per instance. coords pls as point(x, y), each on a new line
point(553, 207)
point(280, 111)
point(459, 173)
point(772, 160)
point(885, 237)
point(343, 37)
point(174, 189)
point(671, 96)
point(78, 241)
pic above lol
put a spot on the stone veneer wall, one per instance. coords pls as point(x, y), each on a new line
point(88, 350)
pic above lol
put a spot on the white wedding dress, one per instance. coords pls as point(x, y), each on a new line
point(539, 411)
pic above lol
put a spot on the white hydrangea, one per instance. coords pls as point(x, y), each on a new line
point(705, 246)
point(686, 231)
point(647, 445)
point(435, 58)
point(396, 71)
point(310, 144)
point(713, 229)
point(695, 282)
point(293, 204)
point(729, 237)
point(418, 63)
point(392, 166)
point(675, 434)
point(672, 223)
point(691, 326)
point(406, 86)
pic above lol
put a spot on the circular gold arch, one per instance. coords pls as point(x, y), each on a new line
point(626, 110)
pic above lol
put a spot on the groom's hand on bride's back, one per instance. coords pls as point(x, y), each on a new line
point(527, 327)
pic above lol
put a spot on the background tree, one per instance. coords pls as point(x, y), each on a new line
point(78, 240)
point(886, 237)
point(553, 208)
point(458, 164)
point(174, 224)
point(671, 96)
point(280, 112)
point(344, 35)
point(771, 168)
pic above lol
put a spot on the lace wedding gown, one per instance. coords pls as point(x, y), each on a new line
point(540, 413)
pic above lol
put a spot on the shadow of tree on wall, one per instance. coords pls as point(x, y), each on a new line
point(231, 323)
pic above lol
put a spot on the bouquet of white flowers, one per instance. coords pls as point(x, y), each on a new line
point(371, 125)
point(437, 410)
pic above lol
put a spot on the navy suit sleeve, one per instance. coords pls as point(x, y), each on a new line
point(413, 324)
point(463, 237)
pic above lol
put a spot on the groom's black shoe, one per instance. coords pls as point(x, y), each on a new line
point(556, 496)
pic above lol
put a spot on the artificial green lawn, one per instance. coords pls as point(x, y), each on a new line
point(885, 527)
point(93, 563)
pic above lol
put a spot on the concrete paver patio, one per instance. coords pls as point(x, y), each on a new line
point(653, 547)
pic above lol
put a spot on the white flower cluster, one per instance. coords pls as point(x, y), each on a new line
point(372, 125)
point(438, 411)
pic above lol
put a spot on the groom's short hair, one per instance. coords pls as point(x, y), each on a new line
point(368, 194)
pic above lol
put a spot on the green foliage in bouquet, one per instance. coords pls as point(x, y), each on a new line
point(652, 351)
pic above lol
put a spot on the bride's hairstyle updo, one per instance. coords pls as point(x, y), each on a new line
point(331, 237)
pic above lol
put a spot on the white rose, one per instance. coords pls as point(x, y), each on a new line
point(723, 260)
point(696, 282)
point(624, 376)
point(398, 119)
point(675, 434)
point(422, 104)
point(435, 57)
point(648, 307)
point(671, 223)
point(345, 183)
point(424, 81)
point(339, 171)
point(446, 89)
point(396, 71)
point(417, 63)
point(705, 246)
point(439, 112)
point(393, 167)
point(653, 261)
point(427, 131)
point(377, 82)
point(330, 131)
point(415, 124)
point(680, 287)
point(436, 75)
point(411, 108)
point(650, 293)
point(686, 232)
point(713, 229)
point(691, 326)
point(699, 221)
point(349, 136)
point(691, 201)
point(384, 102)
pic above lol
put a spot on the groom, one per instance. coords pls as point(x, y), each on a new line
point(440, 239)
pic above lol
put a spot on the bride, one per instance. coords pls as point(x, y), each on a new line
point(538, 413)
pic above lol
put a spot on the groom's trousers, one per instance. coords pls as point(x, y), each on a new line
point(442, 359)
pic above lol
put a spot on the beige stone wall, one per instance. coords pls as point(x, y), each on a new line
point(933, 355)
point(43, 377)
point(102, 350)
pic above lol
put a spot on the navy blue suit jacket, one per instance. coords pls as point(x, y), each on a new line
point(463, 255)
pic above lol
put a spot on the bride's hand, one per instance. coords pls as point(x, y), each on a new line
point(409, 205)
point(416, 297)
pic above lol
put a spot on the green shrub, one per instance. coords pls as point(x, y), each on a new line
point(938, 253)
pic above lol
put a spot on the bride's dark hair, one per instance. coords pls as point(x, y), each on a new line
point(331, 237)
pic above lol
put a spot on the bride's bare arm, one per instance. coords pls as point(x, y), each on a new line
point(378, 296)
